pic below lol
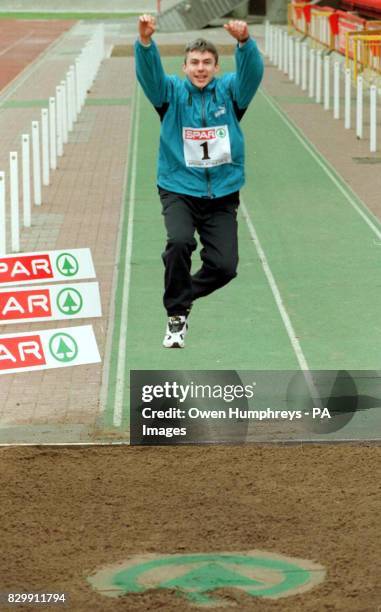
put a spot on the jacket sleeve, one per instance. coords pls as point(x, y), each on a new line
point(150, 73)
point(248, 75)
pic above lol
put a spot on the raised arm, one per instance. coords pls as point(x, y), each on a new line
point(249, 64)
point(149, 69)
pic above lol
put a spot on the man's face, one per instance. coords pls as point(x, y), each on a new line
point(200, 67)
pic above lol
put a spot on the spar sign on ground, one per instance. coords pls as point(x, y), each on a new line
point(48, 348)
point(46, 266)
point(54, 348)
point(50, 302)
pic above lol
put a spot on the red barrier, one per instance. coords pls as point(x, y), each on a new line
point(297, 17)
point(329, 27)
point(347, 23)
point(334, 23)
point(307, 12)
point(368, 8)
point(320, 29)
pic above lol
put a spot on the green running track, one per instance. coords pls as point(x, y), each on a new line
point(308, 286)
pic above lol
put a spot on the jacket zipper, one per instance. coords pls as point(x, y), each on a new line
point(207, 175)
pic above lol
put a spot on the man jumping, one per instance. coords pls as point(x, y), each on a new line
point(201, 162)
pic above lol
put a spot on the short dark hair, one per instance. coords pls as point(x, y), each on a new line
point(200, 44)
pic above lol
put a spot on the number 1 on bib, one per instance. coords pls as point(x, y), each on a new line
point(204, 145)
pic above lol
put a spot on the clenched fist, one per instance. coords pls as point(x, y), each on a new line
point(238, 29)
point(147, 27)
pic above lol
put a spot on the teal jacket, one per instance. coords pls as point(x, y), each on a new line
point(192, 160)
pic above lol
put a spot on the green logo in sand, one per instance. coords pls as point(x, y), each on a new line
point(196, 576)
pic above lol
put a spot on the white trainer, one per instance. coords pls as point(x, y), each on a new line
point(175, 333)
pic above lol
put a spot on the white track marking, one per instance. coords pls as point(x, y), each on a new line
point(275, 291)
point(122, 347)
point(328, 169)
point(282, 310)
point(110, 331)
point(15, 43)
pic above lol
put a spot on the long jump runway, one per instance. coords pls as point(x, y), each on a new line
point(307, 294)
point(224, 526)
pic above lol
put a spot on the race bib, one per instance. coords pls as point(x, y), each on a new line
point(207, 147)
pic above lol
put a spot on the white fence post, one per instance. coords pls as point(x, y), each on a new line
point(45, 146)
point(285, 53)
point(52, 133)
point(280, 49)
point(25, 147)
point(59, 120)
point(304, 66)
point(64, 112)
point(291, 58)
point(297, 61)
point(336, 90)
point(312, 76)
point(78, 84)
point(69, 101)
point(373, 118)
point(318, 76)
point(73, 94)
point(327, 78)
point(270, 43)
point(359, 107)
point(14, 191)
point(347, 99)
point(275, 46)
point(36, 162)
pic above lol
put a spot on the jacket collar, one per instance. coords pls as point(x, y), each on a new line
point(196, 90)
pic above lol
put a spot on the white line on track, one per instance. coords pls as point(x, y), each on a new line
point(275, 291)
point(325, 165)
point(111, 326)
point(122, 347)
point(308, 377)
point(15, 43)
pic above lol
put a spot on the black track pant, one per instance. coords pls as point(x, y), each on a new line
point(215, 220)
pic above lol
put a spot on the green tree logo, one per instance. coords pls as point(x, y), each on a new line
point(196, 576)
point(221, 133)
point(69, 301)
point(67, 264)
point(63, 347)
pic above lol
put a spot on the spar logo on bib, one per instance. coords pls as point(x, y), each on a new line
point(207, 147)
point(206, 134)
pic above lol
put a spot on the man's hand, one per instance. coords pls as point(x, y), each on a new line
point(147, 27)
point(238, 29)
